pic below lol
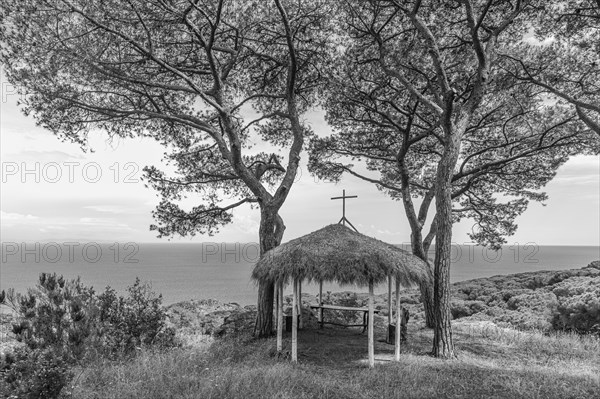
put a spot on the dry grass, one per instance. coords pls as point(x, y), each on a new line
point(336, 253)
point(492, 363)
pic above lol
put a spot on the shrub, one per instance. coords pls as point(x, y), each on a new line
point(54, 321)
point(460, 308)
point(559, 277)
point(34, 374)
point(508, 294)
point(56, 313)
point(579, 306)
point(349, 300)
point(62, 322)
point(593, 265)
point(576, 286)
point(537, 301)
point(537, 281)
point(132, 321)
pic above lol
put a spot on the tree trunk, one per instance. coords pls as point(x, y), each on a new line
point(427, 299)
point(442, 339)
point(270, 235)
point(279, 300)
point(295, 321)
point(371, 331)
point(426, 287)
point(416, 235)
point(264, 316)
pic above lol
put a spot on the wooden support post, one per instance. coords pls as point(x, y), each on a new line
point(279, 316)
point(276, 308)
point(371, 332)
point(388, 339)
point(321, 303)
point(390, 299)
point(295, 322)
point(398, 321)
point(301, 322)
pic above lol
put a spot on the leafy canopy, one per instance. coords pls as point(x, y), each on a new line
point(222, 84)
point(384, 101)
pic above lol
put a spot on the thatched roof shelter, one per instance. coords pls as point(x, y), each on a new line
point(337, 253)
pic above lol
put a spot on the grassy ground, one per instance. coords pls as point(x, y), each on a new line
point(492, 363)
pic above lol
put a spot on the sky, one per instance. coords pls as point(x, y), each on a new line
point(53, 192)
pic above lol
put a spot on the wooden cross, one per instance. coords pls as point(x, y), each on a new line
point(345, 220)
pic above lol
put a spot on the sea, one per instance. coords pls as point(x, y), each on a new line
point(184, 271)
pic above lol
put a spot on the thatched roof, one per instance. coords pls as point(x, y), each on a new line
point(336, 253)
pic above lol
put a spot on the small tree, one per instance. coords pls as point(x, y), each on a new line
point(55, 321)
point(62, 323)
point(57, 314)
point(135, 320)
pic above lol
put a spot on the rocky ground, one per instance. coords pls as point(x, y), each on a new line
point(7, 340)
point(197, 319)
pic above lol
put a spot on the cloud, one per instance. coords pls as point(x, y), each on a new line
point(108, 222)
point(583, 179)
point(110, 209)
point(10, 218)
point(245, 223)
point(16, 216)
point(379, 232)
point(579, 171)
point(41, 156)
point(54, 227)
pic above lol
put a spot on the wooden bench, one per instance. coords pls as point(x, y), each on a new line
point(365, 311)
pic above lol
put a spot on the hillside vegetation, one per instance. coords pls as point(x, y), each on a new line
point(549, 300)
point(565, 300)
point(528, 335)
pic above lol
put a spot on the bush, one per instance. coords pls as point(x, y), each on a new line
point(57, 314)
point(537, 281)
point(576, 286)
point(62, 322)
point(350, 299)
point(34, 373)
point(132, 321)
point(460, 308)
point(537, 301)
point(579, 306)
